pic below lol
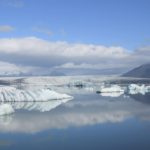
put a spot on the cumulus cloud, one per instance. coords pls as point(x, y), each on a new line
point(36, 46)
point(33, 51)
point(9, 68)
point(5, 67)
point(6, 28)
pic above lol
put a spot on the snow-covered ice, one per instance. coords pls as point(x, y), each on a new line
point(6, 109)
point(116, 90)
point(135, 89)
point(9, 94)
point(111, 89)
point(113, 94)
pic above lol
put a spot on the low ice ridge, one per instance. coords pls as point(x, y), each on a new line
point(12, 94)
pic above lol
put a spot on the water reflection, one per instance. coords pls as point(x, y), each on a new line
point(82, 111)
point(140, 98)
point(113, 94)
point(37, 106)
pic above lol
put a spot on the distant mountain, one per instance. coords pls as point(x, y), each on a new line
point(56, 73)
point(142, 71)
point(87, 71)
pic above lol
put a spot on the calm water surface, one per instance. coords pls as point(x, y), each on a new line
point(89, 121)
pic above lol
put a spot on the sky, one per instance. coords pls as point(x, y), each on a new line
point(45, 35)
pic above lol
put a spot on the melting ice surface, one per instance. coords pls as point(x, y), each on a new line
point(11, 94)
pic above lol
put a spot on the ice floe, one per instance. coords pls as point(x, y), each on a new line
point(9, 94)
point(114, 94)
point(141, 89)
point(116, 90)
point(111, 89)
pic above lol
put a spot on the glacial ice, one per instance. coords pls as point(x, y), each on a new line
point(112, 89)
point(116, 90)
point(113, 94)
point(6, 109)
point(135, 89)
point(9, 94)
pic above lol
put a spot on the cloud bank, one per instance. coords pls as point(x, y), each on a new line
point(35, 52)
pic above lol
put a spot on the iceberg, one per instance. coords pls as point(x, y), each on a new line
point(12, 94)
point(6, 109)
point(114, 94)
point(135, 89)
point(112, 89)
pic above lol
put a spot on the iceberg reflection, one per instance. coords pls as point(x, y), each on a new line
point(76, 113)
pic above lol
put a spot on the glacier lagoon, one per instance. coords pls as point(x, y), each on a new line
point(88, 121)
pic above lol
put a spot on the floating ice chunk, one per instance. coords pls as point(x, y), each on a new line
point(6, 109)
point(148, 88)
point(112, 89)
point(9, 94)
point(113, 94)
point(135, 89)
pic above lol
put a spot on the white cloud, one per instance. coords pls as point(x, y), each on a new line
point(6, 28)
point(5, 67)
point(36, 46)
point(70, 65)
point(32, 51)
point(9, 68)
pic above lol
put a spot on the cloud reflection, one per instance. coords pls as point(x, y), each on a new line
point(75, 113)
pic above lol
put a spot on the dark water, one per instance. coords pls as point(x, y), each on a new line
point(89, 122)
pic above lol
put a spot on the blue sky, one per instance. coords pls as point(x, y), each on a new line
point(106, 22)
point(109, 23)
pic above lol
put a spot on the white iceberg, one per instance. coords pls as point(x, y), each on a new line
point(9, 94)
point(114, 94)
point(112, 89)
point(148, 88)
point(135, 89)
point(6, 109)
